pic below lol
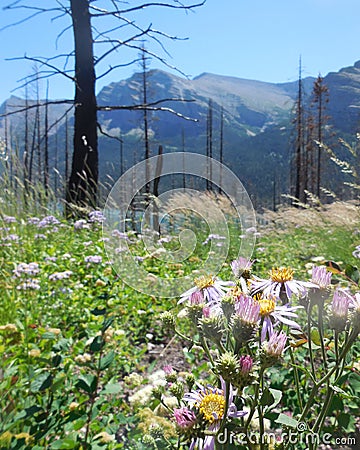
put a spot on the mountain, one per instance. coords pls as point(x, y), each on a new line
point(256, 117)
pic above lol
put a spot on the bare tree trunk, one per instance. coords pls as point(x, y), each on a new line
point(221, 150)
point(82, 184)
point(145, 120)
point(46, 142)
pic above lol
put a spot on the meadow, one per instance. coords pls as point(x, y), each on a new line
point(91, 363)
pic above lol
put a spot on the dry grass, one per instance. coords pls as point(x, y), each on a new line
point(341, 214)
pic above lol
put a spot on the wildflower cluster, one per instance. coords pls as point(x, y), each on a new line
point(245, 328)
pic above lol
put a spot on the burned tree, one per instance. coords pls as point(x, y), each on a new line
point(83, 180)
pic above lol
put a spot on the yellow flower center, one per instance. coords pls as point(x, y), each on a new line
point(267, 306)
point(204, 281)
point(212, 406)
point(281, 274)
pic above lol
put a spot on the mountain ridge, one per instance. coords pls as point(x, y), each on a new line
point(257, 120)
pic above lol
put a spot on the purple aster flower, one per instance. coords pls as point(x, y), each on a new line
point(274, 347)
point(120, 235)
point(241, 266)
point(56, 276)
point(281, 281)
point(80, 224)
point(185, 418)
point(48, 221)
point(339, 309)
point(210, 402)
point(272, 314)
point(12, 237)
point(9, 219)
point(33, 220)
point(93, 259)
point(355, 302)
point(29, 269)
point(356, 252)
point(244, 322)
point(247, 309)
point(39, 236)
point(211, 288)
point(96, 217)
point(321, 277)
point(31, 284)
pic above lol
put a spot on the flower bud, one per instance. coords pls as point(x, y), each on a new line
point(168, 320)
point(227, 366)
point(212, 328)
point(177, 390)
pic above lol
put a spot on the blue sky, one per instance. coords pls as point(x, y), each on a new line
point(255, 39)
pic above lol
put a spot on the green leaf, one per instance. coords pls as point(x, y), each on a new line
point(98, 312)
point(270, 398)
point(283, 419)
point(48, 335)
point(106, 360)
point(41, 382)
point(97, 344)
point(340, 391)
point(56, 360)
point(107, 323)
point(64, 444)
point(88, 383)
point(63, 344)
point(352, 272)
point(113, 388)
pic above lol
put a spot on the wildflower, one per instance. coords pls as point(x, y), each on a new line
point(211, 288)
point(273, 348)
point(245, 320)
point(34, 353)
point(355, 309)
point(184, 417)
point(356, 252)
point(57, 276)
point(81, 224)
point(211, 325)
point(96, 217)
point(31, 284)
point(47, 221)
point(26, 269)
point(271, 312)
point(246, 364)
point(241, 267)
point(33, 220)
point(93, 259)
point(281, 281)
point(339, 309)
point(321, 277)
point(227, 366)
point(120, 235)
point(213, 237)
point(210, 402)
point(170, 373)
point(9, 219)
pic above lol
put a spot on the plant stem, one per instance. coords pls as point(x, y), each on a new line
point(297, 380)
point(310, 344)
point(321, 332)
